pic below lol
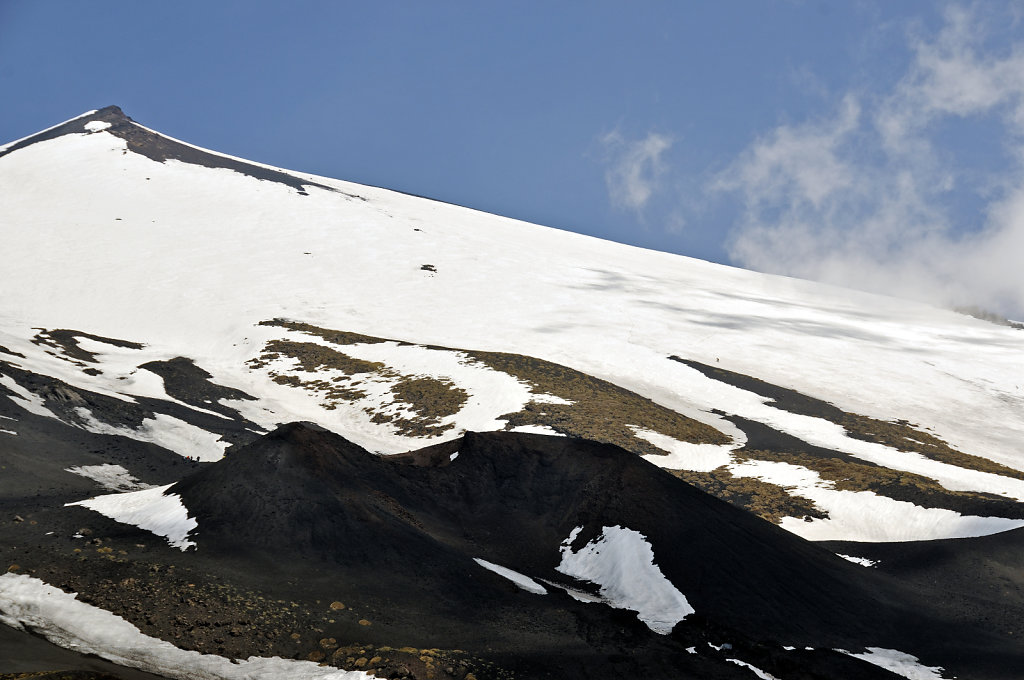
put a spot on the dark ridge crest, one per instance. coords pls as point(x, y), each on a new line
point(159, 148)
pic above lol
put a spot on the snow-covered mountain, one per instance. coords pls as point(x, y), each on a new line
point(164, 306)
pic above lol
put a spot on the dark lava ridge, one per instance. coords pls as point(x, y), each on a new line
point(160, 149)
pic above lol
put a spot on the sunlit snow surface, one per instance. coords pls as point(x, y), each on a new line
point(899, 663)
point(537, 429)
point(621, 561)
point(864, 515)
point(521, 580)
point(862, 561)
point(490, 393)
point(753, 669)
point(30, 604)
point(112, 477)
point(154, 510)
point(167, 431)
point(187, 260)
point(684, 455)
point(27, 400)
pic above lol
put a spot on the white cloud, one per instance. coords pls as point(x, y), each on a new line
point(863, 197)
point(635, 168)
point(795, 163)
point(955, 74)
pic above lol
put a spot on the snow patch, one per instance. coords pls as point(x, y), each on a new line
point(575, 593)
point(537, 429)
point(163, 430)
point(864, 515)
point(684, 455)
point(112, 477)
point(8, 145)
point(29, 401)
point(490, 393)
point(757, 671)
point(27, 603)
point(608, 310)
point(96, 125)
point(152, 509)
point(621, 561)
point(899, 663)
point(862, 561)
point(524, 582)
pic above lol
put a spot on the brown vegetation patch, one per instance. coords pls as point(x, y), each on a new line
point(431, 399)
point(902, 436)
point(767, 501)
point(428, 399)
point(333, 392)
point(848, 475)
point(312, 357)
point(899, 434)
point(331, 336)
point(600, 410)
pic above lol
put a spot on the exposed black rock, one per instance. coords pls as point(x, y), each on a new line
point(974, 583)
point(66, 341)
point(183, 380)
point(302, 520)
point(186, 382)
point(512, 499)
point(761, 437)
point(161, 149)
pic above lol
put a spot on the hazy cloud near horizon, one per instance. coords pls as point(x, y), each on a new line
point(634, 168)
point(864, 195)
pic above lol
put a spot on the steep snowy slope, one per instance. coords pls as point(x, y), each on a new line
point(165, 306)
point(152, 250)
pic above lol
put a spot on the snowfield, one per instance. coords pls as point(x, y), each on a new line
point(864, 515)
point(684, 455)
point(899, 663)
point(111, 477)
point(621, 561)
point(180, 263)
point(188, 260)
point(521, 580)
point(154, 510)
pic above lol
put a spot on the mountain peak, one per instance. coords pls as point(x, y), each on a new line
point(109, 114)
point(112, 109)
point(109, 117)
point(155, 146)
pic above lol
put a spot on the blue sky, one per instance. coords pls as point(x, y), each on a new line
point(868, 143)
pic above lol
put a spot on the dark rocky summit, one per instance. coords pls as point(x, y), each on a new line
point(160, 148)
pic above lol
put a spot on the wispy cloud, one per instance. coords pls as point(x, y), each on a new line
point(863, 196)
point(634, 168)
